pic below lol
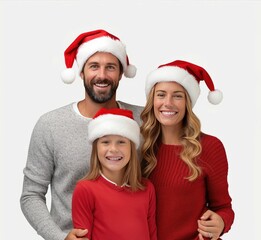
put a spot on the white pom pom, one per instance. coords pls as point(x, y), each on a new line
point(68, 75)
point(215, 97)
point(130, 72)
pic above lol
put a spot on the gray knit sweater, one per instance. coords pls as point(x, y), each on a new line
point(58, 156)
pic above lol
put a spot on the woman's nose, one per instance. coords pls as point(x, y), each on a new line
point(168, 102)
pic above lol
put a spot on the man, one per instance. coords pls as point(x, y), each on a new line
point(59, 151)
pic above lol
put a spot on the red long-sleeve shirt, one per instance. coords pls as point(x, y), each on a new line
point(112, 212)
point(180, 203)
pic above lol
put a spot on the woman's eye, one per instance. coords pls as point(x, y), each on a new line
point(160, 95)
point(178, 96)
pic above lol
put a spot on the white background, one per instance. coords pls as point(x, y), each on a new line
point(222, 36)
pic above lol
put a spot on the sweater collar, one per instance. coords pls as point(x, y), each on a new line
point(123, 185)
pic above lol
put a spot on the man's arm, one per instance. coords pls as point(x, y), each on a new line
point(38, 175)
point(33, 205)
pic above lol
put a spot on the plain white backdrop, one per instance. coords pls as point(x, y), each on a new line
point(222, 36)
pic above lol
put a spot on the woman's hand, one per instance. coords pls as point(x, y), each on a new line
point(210, 225)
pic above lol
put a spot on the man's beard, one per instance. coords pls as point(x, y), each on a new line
point(102, 97)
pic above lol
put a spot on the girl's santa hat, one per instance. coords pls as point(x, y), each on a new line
point(86, 44)
point(187, 75)
point(114, 121)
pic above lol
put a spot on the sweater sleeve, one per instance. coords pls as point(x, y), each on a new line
point(37, 177)
point(217, 184)
point(152, 212)
point(82, 207)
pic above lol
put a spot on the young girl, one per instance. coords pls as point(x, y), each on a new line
point(113, 201)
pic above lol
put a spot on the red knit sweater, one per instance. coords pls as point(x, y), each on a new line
point(112, 212)
point(180, 203)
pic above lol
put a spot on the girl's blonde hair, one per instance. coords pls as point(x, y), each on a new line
point(151, 132)
point(132, 176)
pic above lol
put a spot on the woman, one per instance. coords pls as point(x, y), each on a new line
point(187, 167)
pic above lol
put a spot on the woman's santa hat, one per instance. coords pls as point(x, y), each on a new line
point(86, 44)
point(114, 121)
point(187, 75)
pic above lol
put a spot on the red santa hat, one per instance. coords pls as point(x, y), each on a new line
point(187, 75)
point(114, 121)
point(88, 43)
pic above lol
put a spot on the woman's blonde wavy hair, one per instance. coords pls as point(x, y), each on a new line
point(132, 176)
point(151, 132)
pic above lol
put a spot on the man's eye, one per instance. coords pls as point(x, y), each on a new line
point(93, 66)
point(111, 67)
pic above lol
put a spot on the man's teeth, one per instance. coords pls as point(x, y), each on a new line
point(102, 84)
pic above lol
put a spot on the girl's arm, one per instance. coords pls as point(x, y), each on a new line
point(152, 212)
point(82, 206)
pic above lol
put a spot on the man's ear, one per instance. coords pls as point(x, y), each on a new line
point(82, 75)
point(120, 76)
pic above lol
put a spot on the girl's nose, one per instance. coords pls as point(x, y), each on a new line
point(113, 147)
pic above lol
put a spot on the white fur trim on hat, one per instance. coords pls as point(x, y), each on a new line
point(103, 44)
point(111, 124)
point(174, 74)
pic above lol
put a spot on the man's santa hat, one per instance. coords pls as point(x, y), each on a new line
point(86, 44)
point(187, 75)
point(114, 121)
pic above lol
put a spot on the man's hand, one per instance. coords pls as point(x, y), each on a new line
point(77, 234)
